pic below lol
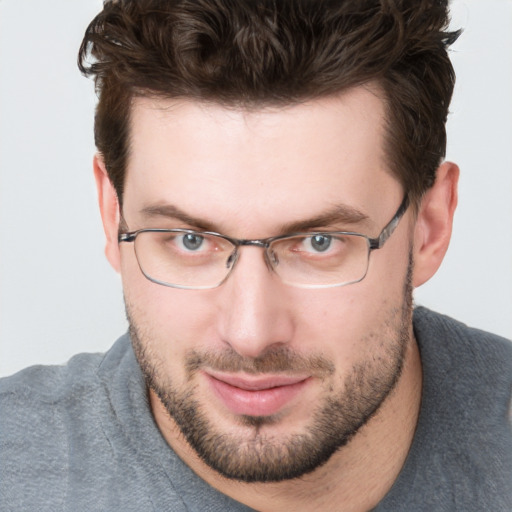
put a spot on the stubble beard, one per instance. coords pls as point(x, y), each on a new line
point(261, 456)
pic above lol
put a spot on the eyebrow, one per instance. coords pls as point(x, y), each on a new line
point(338, 214)
point(173, 212)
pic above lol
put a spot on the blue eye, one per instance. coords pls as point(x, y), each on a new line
point(320, 243)
point(192, 242)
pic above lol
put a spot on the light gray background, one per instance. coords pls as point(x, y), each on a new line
point(58, 295)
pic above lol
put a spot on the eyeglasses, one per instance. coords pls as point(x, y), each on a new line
point(188, 259)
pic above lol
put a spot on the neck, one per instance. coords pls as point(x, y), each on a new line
point(354, 479)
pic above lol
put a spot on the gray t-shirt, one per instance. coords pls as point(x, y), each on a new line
point(81, 437)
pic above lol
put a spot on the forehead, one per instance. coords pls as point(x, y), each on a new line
point(235, 165)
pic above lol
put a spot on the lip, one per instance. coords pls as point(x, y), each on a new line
point(250, 395)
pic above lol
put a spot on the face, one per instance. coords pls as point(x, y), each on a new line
point(265, 380)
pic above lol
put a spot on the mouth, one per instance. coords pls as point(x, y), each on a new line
point(250, 395)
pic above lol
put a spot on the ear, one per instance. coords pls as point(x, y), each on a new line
point(109, 209)
point(434, 221)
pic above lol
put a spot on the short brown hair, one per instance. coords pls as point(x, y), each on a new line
point(257, 52)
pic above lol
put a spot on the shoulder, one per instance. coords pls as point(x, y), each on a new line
point(464, 436)
point(49, 416)
point(454, 345)
point(43, 386)
point(466, 371)
point(55, 384)
point(37, 405)
point(461, 456)
point(431, 322)
point(44, 397)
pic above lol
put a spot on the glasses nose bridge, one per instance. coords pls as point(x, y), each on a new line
point(262, 243)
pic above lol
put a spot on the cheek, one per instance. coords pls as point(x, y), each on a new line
point(332, 322)
point(170, 319)
point(350, 321)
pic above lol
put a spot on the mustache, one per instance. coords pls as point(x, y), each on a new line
point(278, 360)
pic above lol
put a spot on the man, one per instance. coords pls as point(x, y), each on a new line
point(271, 185)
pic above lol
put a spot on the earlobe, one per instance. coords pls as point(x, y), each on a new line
point(434, 221)
point(109, 209)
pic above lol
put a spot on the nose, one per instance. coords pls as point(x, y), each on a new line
point(255, 307)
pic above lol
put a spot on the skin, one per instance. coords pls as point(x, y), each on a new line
point(248, 174)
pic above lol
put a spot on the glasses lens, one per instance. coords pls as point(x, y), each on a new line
point(183, 259)
point(321, 259)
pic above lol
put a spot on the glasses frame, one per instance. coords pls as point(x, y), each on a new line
point(265, 243)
